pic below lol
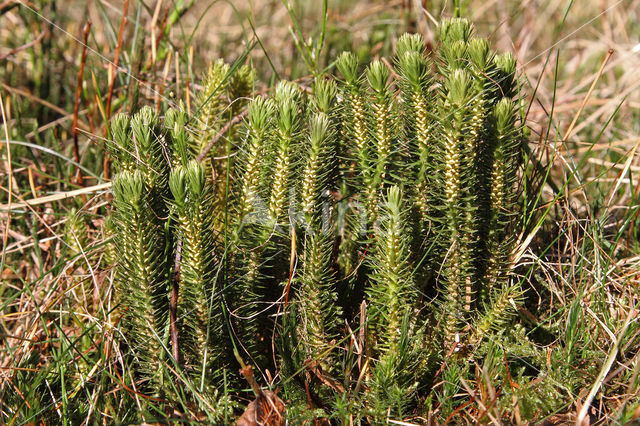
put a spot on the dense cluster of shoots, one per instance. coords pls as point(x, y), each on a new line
point(142, 240)
point(166, 247)
point(366, 233)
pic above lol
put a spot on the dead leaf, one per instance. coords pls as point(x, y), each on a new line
point(267, 409)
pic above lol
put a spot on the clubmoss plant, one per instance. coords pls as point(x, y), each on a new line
point(391, 298)
point(253, 227)
point(199, 313)
point(383, 138)
point(367, 236)
point(316, 176)
point(469, 170)
point(150, 153)
point(240, 87)
point(415, 80)
point(75, 233)
point(175, 121)
point(457, 177)
point(224, 93)
point(354, 121)
point(142, 238)
point(142, 279)
point(315, 288)
point(210, 104)
point(323, 99)
point(122, 144)
point(259, 128)
point(286, 139)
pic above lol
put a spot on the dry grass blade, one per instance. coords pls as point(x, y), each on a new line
point(56, 197)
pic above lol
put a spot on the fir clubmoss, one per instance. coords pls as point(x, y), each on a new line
point(286, 139)
point(506, 158)
point(320, 250)
point(316, 176)
point(121, 145)
point(455, 29)
point(497, 311)
point(383, 123)
point(416, 105)
point(459, 207)
point(142, 274)
point(355, 148)
point(259, 129)
point(391, 292)
point(319, 315)
point(199, 309)
point(354, 122)
point(240, 87)
point(391, 295)
point(409, 43)
point(506, 74)
point(175, 121)
point(324, 97)
point(210, 104)
point(142, 238)
point(253, 228)
point(151, 156)
point(75, 233)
